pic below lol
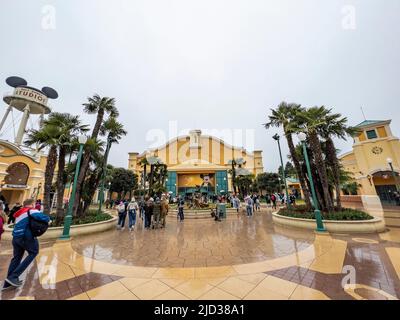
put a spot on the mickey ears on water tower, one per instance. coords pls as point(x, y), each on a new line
point(20, 82)
point(50, 92)
point(16, 82)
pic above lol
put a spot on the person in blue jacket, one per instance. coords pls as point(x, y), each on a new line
point(23, 240)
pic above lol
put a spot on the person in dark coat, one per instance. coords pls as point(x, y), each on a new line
point(148, 212)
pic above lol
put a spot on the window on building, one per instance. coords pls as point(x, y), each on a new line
point(371, 134)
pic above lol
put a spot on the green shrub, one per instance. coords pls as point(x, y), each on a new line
point(342, 215)
point(92, 216)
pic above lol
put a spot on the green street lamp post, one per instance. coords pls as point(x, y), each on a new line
point(277, 138)
point(103, 175)
point(68, 217)
point(318, 217)
point(390, 162)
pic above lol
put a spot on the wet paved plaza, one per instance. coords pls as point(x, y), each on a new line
point(240, 258)
point(196, 243)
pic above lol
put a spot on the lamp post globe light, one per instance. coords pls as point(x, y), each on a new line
point(318, 218)
point(390, 162)
point(276, 137)
point(68, 218)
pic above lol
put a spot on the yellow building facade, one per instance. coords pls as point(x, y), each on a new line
point(373, 149)
point(21, 173)
point(198, 160)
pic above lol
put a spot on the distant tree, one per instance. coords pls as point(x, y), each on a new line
point(123, 181)
point(290, 170)
point(269, 182)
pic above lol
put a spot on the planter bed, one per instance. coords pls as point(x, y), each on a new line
point(373, 225)
point(76, 230)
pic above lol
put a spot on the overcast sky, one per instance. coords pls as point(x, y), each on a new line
point(209, 64)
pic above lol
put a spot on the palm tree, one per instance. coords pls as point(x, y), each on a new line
point(114, 131)
point(314, 119)
point(68, 126)
point(47, 136)
point(101, 107)
point(335, 126)
point(286, 116)
point(144, 163)
point(235, 162)
point(96, 148)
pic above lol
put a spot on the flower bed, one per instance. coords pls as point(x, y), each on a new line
point(92, 216)
point(104, 222)
point(344, 214)
point(344, 221)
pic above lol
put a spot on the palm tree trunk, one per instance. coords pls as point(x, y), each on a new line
point(48, 178)
point(234, 178)
point(332, 157)
point(151, 180)
point(300, 172)
point(91, 187)
point(60, 184)
point(81, 180)
point(321, 169)
point(85, 162)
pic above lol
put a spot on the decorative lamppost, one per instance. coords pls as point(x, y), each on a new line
point(68, 217)
point(318, 218)
point(276, 137)
point(390, 162)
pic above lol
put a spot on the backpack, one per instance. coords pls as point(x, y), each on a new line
point(121, 209)
point(273, 198)
point(38, 227)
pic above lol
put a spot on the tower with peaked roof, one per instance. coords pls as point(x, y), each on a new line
point(373, 149)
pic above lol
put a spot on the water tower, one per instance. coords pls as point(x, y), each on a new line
point(26, 99)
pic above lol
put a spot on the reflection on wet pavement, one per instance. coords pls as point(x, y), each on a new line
point(240, 258)
point(196, 243)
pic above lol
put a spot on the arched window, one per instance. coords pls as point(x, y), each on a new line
point(17, 174)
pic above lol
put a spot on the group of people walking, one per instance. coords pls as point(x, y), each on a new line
point(251, 202)
point(152, 212)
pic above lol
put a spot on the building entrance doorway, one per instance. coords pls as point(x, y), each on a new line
point(385, 186)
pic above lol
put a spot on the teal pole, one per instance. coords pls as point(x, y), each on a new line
point(68, 217)
point(277, 138)
point(317, 212)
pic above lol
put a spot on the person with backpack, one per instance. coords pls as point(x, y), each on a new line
point(236, 203)
point(273, 200)
point(132, 211)
point(181, 214)
point(249, 206)
point(258, 204)
point(29, 224)
point(148, 211)
point(121, 216)
point(157, 213)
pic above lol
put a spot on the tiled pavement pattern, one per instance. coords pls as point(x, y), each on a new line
point(196, 243)
point(254, 260)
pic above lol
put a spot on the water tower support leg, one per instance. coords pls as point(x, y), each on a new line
point(3, 121)
point(22, 126)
